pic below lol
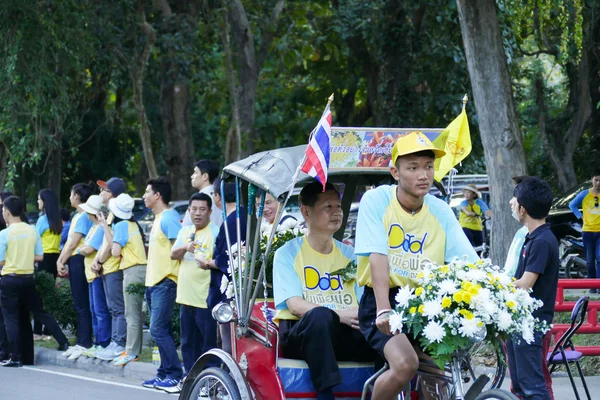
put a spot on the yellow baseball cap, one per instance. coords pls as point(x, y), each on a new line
point(412, 143)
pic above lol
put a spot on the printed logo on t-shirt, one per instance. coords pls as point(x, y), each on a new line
point(406, 251)
point(325, 289)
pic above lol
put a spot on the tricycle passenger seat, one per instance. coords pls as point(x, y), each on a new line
point(295, 378)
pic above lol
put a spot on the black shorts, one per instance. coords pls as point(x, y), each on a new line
point(475, 237)
point(367, 313)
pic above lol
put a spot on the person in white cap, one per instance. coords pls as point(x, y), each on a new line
point(471, 210)
point(100, 315)
point(127, 245)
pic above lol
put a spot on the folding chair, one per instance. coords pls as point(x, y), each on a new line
point(561, 356)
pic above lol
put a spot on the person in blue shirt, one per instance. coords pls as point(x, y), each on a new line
point(80, 226)
point(65, 215)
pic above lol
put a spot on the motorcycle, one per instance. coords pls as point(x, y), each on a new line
point(572, 258)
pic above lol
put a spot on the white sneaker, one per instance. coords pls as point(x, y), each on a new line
point(69, 351)
point(77, 352)
point(111, 352)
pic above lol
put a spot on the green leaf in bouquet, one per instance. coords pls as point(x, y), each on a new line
point(348, 273)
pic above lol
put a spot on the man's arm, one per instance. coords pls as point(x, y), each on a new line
point(180, 247)
point(38, 258)
point(380, 279)
point(577, 202)
point(70, 246)
point(527, 280)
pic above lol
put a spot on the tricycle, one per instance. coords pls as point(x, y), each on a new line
point(255, 369)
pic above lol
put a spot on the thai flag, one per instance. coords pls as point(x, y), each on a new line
point(317, 152)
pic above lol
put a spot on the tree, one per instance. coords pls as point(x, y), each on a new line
point(498, 121)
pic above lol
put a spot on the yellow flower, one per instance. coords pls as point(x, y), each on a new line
point(466, 313)
point(458, 296)
point(446, 302)
point(466, 285)
point(444, 269)
point(421, 308)
point(419, 291)
point(429, 287)
point(431, 276)
point(466, 296)
point(473, 290)
point(413, 310)
point(511, 304)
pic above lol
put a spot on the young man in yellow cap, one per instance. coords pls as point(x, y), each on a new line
point(400, 229)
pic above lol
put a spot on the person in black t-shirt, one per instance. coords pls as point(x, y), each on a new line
point(537, 270)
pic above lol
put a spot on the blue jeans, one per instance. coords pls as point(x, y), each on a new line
point(101, 321)
point(591, 243)
point(524, 365)
point(198, 334)
point(81, 300)
point(113, 287)
point(161, 299)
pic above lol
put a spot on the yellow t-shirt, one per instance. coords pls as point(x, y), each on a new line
point(160, 266)
point(410, 241)
point(472, 222)
point(194, 282)
point(300, 271)
point(50, 240)
point(19, 243)
point(133, 252)
point(94, 240)
point(590, 205)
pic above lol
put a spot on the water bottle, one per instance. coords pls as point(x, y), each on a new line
point(155, 356)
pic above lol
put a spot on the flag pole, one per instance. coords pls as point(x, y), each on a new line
point(465, 100)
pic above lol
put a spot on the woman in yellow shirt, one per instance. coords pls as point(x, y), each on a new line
point(471, 210)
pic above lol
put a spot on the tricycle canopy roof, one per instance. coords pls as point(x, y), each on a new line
point(352, 150)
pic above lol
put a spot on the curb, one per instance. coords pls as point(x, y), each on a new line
point(133, 370)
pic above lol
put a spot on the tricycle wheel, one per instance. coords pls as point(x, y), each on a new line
point(214, 383)
point(496, 394)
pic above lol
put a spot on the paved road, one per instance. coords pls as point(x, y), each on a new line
point(52, 383)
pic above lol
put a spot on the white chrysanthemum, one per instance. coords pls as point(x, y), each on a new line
point(224, 283)
point(504, 279)
point(527, 334)
point(397, 322)
point(447, 286)
point(432, 308)
point(468, 327)
point(434, 332)
point(229, 293)
point(404, 295)
point(476, 275)
point(462, 275)
point(485, 306)
point(504, 320)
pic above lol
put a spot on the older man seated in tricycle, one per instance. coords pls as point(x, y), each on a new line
point(317, 311)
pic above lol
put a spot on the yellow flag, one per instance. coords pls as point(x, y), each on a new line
point(455, 140)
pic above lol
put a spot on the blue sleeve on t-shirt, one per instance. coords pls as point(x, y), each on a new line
point(3, 243)
point(96, 240)
point(484, 207)
point(39, 250)
point(463, 203)
point(170, 224)
point(371, 236)
point(42, 225)
point(83, 225)
point(457, 244)
point(577, 202)
point(121, 233)
point(286, 282)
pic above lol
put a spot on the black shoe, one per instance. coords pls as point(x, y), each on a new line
point(63, 347)
point(12, 364)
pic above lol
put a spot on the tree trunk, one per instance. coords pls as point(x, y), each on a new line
point(175, 95)
point(137, 78)
point(498, 122)
point(233, 142)
point(53, 168)
point(3, 165)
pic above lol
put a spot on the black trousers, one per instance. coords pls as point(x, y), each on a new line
point(48, 264)
point(18, 293)
point(320, 339)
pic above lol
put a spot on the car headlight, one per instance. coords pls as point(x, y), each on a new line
point(222, 313)
point(479, 335)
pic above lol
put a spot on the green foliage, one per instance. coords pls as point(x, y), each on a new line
point(137, 289)
point(57, 299)
point(348, 273)
point(279, 240)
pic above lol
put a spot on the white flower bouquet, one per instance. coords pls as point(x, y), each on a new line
point(457, 304)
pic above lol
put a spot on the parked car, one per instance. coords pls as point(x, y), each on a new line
point(561, 219)
point(139, 209)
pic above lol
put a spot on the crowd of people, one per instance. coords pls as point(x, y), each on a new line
point(321, 321)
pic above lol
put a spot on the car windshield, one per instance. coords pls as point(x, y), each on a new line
point(563, 202)
point(139, 209)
